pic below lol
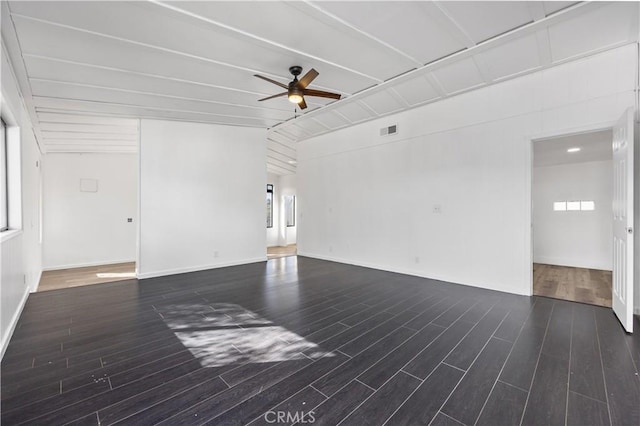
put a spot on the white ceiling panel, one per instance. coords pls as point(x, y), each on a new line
point(416, 90)
point(555, 6)
point(89, 70)
point(75, 106)
point(354, 112)
point(405, 25)
point(146, 23)
point(330, 120)
point(47, 69)
point(607, 26)
point(482, 20)
point(512, 58)
point(281, 149)
point(459, 76)
point(306, 30)
point(382, 102)
point(311, 126)
point(64, 43)
point(106, 95)
point(297, 131)
point(89, 128)
point(68, 135)
point(50, 118)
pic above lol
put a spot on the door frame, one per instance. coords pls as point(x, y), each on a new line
point(596, 127)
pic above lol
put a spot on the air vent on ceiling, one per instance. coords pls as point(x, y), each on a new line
point(391, 130)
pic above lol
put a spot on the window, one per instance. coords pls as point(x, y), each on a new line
point(587, 205)
point(584, 205)
point(290, 210)
point(269, 206)
point(573, 205)
point(4, 188)
point(560, 206)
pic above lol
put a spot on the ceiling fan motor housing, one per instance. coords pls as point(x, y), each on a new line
point(296, 70)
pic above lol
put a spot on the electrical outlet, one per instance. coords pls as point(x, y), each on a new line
point(437, 209)
point(330, 249)
point(129, 219)
point(216, 254)
point(417, 259)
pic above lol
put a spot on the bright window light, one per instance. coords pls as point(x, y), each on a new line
point(560, 206)
point(576, 149)
point(573, 205)
point(587, 205)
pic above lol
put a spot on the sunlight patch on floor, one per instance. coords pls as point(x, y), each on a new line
point(116, 275)
point(222, 334)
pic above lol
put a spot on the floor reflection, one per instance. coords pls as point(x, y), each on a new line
point(224, 333)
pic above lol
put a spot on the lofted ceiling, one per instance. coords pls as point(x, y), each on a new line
point(89, 70)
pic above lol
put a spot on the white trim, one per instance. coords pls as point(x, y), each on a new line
point(139, 200)
point(407, 271)
point(574, 263)
point(34, 286)
point(9, 234)
point(162, 273)
point(14, 322)
point(87, 264)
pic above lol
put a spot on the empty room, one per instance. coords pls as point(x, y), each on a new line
point(319, 212)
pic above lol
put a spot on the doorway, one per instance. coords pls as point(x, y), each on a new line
point(90, 219)
point(572, 193)
point(281, 216)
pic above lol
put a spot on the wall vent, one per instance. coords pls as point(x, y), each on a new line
point(390, 130)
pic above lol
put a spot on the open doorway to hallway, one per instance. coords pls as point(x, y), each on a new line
point(90, 204)
point(282, 219)
point(572, 218)
point(76, 277)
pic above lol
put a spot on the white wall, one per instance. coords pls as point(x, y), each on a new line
point(20, 250)
point(202, 196)
point(89, 228)
point(573, 238)
point(370, 200)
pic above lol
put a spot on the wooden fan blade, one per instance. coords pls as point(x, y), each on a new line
point(277, 83)
point(308, 78)
point(302, 104)
point(321, 94)
point(274, 96)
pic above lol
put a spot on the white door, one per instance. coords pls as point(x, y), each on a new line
point(623, 220)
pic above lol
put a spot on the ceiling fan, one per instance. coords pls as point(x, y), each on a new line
point(297, 89)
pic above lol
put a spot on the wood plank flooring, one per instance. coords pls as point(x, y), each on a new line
point(583, 285)
point(303, 341)
point(284, 251)
point(76, 277)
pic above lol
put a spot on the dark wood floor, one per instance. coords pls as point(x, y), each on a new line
point(298, 339)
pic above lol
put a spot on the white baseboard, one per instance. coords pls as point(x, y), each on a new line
point(408, 271)
point(573, 263)
point(85, 265)
point(14, 321)
point(145, 275)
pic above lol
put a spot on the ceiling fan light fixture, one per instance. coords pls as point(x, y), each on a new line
point(295, 98)
point(294, 92)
